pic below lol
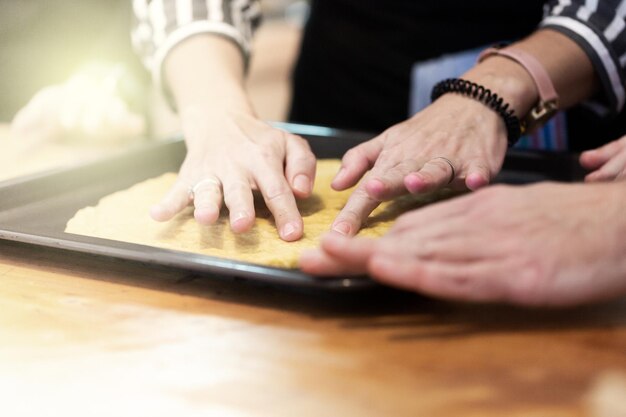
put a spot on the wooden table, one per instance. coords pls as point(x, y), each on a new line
point(86, 336)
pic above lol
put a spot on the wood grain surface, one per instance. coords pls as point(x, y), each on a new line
point(81, 335)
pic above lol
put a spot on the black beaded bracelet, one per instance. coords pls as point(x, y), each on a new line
point(514, 127)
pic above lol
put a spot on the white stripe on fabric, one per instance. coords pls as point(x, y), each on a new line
point(621, 9)
point(194, 28)
point(614, 29)
point(184, 12)
point(617, 25)
point(596, 43)
point(585, 12)
point(562, 5)
point(159, 22)
point(236, 11)
point(214, 7)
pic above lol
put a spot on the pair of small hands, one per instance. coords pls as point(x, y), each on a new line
point(230, 156)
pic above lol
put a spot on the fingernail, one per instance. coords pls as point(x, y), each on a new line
point(302, 184)
point(288, 230)
point(241, 215)
point(342, 228)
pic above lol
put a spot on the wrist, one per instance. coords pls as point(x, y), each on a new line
point(214, 106)
point(487, 98)
point(210, 125)
point(508, 80)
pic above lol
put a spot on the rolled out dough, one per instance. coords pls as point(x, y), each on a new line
point(124, 216)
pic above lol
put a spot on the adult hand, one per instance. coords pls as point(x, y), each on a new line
point(546, 244)
point(456, 141)
point(229, 156)
point(607, 163)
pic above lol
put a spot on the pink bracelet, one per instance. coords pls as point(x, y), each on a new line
point(548, 97)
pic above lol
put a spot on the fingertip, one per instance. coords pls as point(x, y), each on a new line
point(338, 182)
point(346, 178)
point(160, 213)
point(342, 228)
point(291, 231)
point(598, 176)
point(302, 186)
point(414, 183)
point(241, 222)
point(586, 154)
point(590, 159)
point(318, 263)
point(333, 240)
point(309, 259)
point(476, 180)
point(206, 215)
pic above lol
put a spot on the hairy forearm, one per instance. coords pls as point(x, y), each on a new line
point(568, 66)
point(207, 72)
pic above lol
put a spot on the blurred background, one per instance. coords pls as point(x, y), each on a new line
point(72, 88)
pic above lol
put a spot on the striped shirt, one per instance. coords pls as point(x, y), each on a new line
point(162, 24)
point(597, 26)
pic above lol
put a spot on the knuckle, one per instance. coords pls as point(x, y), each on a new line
point(267, 152)
point(392, 134)
point(361, 196)
point(352, 153)
point(427, 176)
point(351, 216)
point(234, 200)
point(236, 188)
point(302, 162)
point(300, 141)
point(440, 165)
point(275, 192)
point(386, 154)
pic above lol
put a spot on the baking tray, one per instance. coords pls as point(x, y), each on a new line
point(34, 210)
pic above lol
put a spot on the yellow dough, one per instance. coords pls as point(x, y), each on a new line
point(124, 216)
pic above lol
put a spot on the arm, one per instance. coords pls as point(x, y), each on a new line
point(569, 68)
point(597, 27)
point(465, 132)
point(201, 65)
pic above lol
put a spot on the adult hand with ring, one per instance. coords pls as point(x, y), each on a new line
point(229, 158)
point(205, 195)
point(456, 142)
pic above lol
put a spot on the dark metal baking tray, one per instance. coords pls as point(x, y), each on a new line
point(35, 210)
